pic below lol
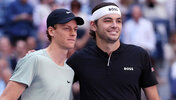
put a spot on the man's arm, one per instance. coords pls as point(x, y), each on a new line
point(76, 88)
point(151, 93)
point(12, 91)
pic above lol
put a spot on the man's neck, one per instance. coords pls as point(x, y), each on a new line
point(108, 47)
point(57, 54)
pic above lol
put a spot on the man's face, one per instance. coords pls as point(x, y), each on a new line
point(65, 34)
point(21, 47)
point(108, 28)
point(136, 12)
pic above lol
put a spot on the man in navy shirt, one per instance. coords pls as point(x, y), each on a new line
point(111, 70)
point(19, 20)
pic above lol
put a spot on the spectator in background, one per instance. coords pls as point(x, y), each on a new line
point(19, 18)
point(76, 9)
point(139, 31)
point(5, 73)
point(3, 9)
point(125, 6)
point(170, 58)
point(21, 49)
point(170, 49)
point(41, 11)
point(6, 49)
point(153, 10)
point(83, 37)
point(171, 12)
point(156, 12)
point(31, 43)
point(42, 40)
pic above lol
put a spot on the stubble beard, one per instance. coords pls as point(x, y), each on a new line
point(107, 39)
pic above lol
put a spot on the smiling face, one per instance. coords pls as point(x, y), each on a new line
point(108, 28)
point(64, 35)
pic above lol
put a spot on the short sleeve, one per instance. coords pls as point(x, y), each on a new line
point(147, 78)
point(25, 70)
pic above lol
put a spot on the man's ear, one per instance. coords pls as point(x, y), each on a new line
point(51, 31)
point(93, 26)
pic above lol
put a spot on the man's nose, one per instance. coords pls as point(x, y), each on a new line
point(73, 32)
point(114, 24)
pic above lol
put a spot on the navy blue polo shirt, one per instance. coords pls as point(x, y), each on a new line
point(117, 77)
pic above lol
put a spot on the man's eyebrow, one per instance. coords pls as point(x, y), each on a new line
point(68, 26)
point(119, 18)
point(107, 18)
point(65, 25)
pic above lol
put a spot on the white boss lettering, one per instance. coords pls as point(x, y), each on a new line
point(128, 68)
point(113, 9)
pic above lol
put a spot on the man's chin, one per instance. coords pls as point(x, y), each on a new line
point(110, 40)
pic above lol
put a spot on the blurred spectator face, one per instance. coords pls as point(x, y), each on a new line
point(5, 46)
point(24, 1)
point(21, 48)
point(53, 5)
point(126, 2)
point(136, 12)
point(50, 2)
point(31, 43)
point(75, 6)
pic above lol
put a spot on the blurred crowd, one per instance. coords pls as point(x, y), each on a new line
point(150, 24)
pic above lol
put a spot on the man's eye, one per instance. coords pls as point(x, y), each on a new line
point(119, 21)
point(76, 29)
point(66, 28)
point(107, 21)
